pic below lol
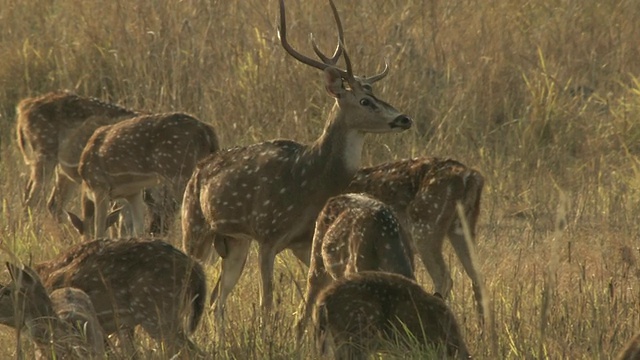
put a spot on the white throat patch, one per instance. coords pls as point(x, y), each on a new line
point(354, 141)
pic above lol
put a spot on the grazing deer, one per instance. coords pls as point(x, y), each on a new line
point(272, 192)
point(62, 324)
point(353, 233)
point(120, 160)
point(424, 193)
point(365, 311)
point(134, 282)
point(52, 129)
point(631, 350)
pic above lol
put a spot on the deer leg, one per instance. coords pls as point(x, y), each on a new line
point(137, 213)
point(428, 240)
point(162, 208)
point(125, 342)
point(267, 256)
point(301, 247)
point(101, 207)
point(124, 226)
point(41, 169)
point(318, 279)
point(174, 338)
point(60, 194)
point(232, 266)
point(462, 249)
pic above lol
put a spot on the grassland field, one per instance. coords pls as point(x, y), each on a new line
point(542, 97)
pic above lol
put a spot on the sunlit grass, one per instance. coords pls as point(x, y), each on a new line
point(496, 85)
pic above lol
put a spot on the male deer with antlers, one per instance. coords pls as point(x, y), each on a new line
point(353, 233)
point(62, 324)
point(52, 130)
point(424, 193)
point(120, 160)
point(272, 192)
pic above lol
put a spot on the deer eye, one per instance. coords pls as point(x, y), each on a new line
point(365, 102)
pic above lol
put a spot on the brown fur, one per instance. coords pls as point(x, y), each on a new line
point(134, 282)
point(48, 127)
point(63, 323)
point(424, 193)
point(120, 160)
point(365, 311)
point(354, 232)
point(631, 350)
point(272, 192)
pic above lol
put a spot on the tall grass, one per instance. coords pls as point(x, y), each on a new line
point(543, 97)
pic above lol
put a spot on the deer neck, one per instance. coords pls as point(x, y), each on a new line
point(339, 148)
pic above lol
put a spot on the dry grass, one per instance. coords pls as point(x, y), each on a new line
point(493, 84)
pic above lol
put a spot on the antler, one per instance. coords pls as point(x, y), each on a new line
point(336, 55)
point(327, 62)
point(379, 76)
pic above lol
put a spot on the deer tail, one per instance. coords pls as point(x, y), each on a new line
point(198, 295)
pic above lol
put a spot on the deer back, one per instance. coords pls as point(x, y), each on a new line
point(361, 309)
point(45, 120)
point(146, 149)
point(413, 187)
point(264, 190)
point(73, 144)
point(132, 281)
point(359, 233)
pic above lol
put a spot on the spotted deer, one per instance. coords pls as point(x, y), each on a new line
point(424, 193)
point(631, 350)
point(354, 232)
point(370, 310)
point(62, 324)
point(52, 130)
point(119, 161)
point(134, 282)
point(273, 191)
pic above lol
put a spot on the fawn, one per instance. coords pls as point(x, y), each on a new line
point(363, 311)
point(62, 324)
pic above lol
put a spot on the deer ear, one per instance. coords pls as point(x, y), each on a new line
point(11, 268)
point(77, 223)
point(333, 82)
point(113, 217)
point(18, 274)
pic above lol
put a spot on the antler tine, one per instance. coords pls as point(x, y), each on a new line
point(379, 76)
point(349, 73)
point(325, 59)
point(336, 55)
point(282, 34)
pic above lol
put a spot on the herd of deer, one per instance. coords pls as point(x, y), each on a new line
point(356, 228)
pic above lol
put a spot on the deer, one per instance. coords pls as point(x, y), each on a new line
point(631, 350)
point(131, 282)
point(353, 233)
point(272, 192)
point(424, 193)
point(52, 129)
point(119, 161)
point(62, 324)
point(371, 310)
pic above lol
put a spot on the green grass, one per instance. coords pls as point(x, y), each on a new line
point(491, 84)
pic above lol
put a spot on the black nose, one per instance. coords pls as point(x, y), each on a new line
point(402, 121)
